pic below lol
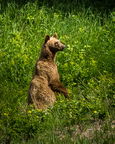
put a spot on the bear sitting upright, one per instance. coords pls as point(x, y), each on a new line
point(46, 78)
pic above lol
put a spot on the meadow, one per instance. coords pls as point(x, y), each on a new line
point(86, 67)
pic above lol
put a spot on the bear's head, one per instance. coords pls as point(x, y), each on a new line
point(53, 43)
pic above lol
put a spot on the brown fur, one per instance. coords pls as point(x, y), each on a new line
point(46, 81)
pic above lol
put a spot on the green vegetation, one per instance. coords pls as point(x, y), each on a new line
point(87, 69)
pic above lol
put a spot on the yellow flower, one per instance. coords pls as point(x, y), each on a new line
point(95, 112)
point(81, 29)
point(39, 110)
point(5, 114)
point(29, 111)
point(56, 15)
point(87, 46)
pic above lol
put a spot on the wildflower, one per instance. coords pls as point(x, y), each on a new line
point(39, 110)
point(87, 46)
point(81, 29)
point(5, 114)
point(56, 15)
point(29, 111)
point(95, 112)
point(30, 18)
point(73, 16)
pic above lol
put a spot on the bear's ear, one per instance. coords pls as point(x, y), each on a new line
point(55, 35)
point(47, 38)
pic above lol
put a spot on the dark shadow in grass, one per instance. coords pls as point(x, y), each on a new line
point(66, 6)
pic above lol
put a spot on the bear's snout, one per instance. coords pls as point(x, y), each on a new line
point(63, 46)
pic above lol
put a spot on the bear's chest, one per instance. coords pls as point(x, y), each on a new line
point(49, 69)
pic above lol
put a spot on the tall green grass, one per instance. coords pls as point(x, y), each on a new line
point(86, 68)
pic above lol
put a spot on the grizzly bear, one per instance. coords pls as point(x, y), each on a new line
point(46, 79)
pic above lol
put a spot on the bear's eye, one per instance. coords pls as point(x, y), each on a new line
point(56, 43)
